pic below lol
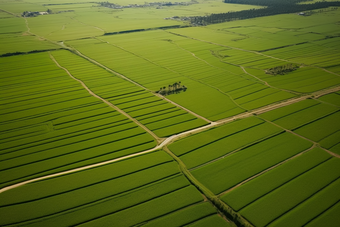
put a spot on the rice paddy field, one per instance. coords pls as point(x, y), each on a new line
point(132, 116)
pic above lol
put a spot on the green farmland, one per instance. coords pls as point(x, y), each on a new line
point(195, 113)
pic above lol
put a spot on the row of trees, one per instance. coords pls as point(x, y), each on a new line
point(283, 69)
point(271, 9)
point(172, 88)
point(265, 2)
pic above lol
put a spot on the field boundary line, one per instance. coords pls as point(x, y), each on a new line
point(236, 150)
point(302, 137)
point(266, 170)
point(223, 209)
point(9, 12)
point(107, 102)
point(137, 84)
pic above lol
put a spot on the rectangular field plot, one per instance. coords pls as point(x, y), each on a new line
point(314, 120)
point(333, 98)
point(132, 99)
point(299, 114)
point(231, 170)
point(204, 148)
point(313, 191)
point(189, 215)
point(242, 196)
point(50, 123)
point(130, 192)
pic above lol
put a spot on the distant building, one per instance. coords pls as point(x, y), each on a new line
point(302, 14)
point(43, 13)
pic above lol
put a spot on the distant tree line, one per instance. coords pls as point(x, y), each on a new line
point(274, 7)
point(266, 2)
point(28, 52)
point(172, 89)
point(283, 69)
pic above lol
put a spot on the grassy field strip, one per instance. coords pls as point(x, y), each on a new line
point(253, 159)
point(265, 171)
point(151, 209)
point(124, 77)
point(184, 216)
point(302, 187)
point(316, 205)
point(107, 102)
point(240, 196)
point(328, 218)
point(229, 145)
point(213, 220)
point(305, 138)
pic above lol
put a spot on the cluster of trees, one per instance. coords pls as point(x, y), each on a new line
point(36, 13)
point(309, 13)
point(273, 7)
point(283, 69)
point(28, 52)
point(172, 89)
point(157, 4)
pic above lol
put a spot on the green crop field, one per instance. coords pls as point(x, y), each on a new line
point(116, 192)
point(311, 119)
point(195, 113)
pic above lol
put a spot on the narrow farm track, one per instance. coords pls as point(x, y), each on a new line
point(26, 23)
point(172, 138)
point(159, 140)
point(266, 170)
point(9, 12)
point(126, 78)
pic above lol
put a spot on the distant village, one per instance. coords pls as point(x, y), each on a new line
point(37, 13)
point(158, 5)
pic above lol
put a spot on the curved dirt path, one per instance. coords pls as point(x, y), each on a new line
point(107, 102)
point(28, 28)
point(168, 140)
point(84, 167)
